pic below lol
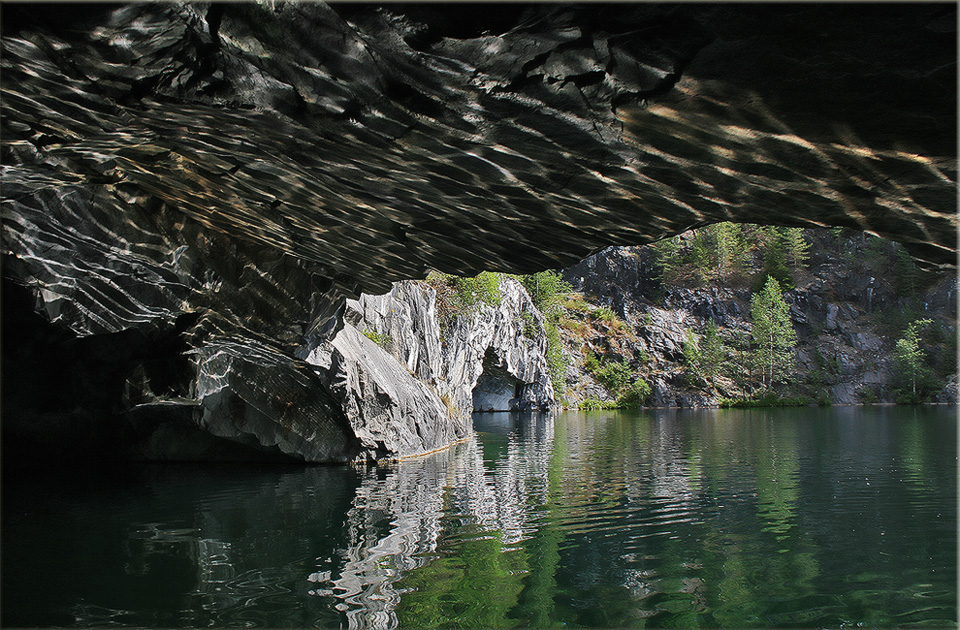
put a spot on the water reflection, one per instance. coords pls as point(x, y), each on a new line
point(660, 518)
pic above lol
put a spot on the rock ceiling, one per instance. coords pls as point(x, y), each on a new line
point(230, 171)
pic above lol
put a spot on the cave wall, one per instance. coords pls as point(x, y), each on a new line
point(253, 165)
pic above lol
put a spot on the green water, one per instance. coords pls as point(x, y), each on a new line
point(842, 517)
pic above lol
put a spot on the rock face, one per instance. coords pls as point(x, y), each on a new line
point(393, 413)
point(415, 393)
point(838, 311)
point(207, 183)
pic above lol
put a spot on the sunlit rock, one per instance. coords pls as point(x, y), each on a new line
point(252, 165)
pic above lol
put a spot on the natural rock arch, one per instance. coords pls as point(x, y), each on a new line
point(250, 165)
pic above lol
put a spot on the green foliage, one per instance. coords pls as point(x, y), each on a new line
point(669, 255)
point(614, 376)
point(868, 395)
point(592, 403)
point(730, 246)
point(557, 359)
point(619, 380)
point(381, 339)
point(636, 394)
point(704, 355)
point(691, 351)
point(775, 262)
point(591, 363)
point(796, 247)
point(906, 274)
point(606, 315)
point(529, 323)
point(773, 333)
point(484, 288)
point(712, 350)
point(909, 363)
point(548, 290)
point(719, 251)
point(458, 296)
point(768, 399)
point(710, 252)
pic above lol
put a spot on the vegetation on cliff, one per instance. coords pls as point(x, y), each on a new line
point(746, 314)
point(735, 314)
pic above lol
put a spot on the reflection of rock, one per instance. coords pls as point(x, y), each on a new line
point(395, 523)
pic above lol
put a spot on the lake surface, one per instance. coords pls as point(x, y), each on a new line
point(837, 517)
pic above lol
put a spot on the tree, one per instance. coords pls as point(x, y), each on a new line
point(546, 289)
point(730, 246)
point(711, 350)
point(691, 351)
point(797, 247)
point(908, 356)
point(775, 259)
point(772, 332)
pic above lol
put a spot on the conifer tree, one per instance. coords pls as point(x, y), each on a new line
point(711, 350)
point(797, 247)
point(772, 332)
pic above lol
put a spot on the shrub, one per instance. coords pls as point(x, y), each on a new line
point(547, 290)
point(591, 403)
point(484, 288)
point(868, 395)
point(529, 325)
point(557, 359)
point(614, 376)
point(636, 395)
point(606, 315)
point(766, 400)
point(591, 363)
point(381, 339)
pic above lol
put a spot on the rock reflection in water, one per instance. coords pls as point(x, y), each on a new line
point(395, 523)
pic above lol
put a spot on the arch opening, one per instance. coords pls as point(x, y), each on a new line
point(497, 389)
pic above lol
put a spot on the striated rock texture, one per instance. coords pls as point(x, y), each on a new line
point(195, 188)
point(408, 386)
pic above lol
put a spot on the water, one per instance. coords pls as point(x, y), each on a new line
point(841, 517)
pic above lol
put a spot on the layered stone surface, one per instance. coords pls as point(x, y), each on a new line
point(216, 179)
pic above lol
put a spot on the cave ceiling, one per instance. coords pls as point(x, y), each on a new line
point(174, 157)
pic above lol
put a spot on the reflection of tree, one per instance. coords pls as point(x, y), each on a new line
point(475, 584)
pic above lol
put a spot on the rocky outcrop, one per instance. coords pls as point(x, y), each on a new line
point(408, 387)
point(215, 180)
point(393, 413)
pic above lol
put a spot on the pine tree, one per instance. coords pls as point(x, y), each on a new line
point(797, 247)
point(691, 352)
point(711, 350)
point(730, 247)
point(772, 332)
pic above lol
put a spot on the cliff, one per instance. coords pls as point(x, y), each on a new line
point(847, 308)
